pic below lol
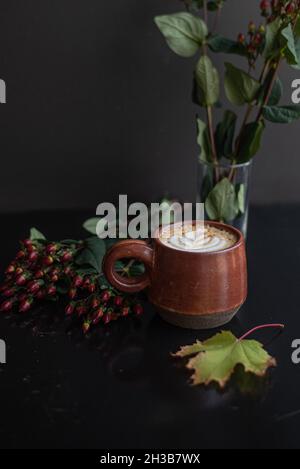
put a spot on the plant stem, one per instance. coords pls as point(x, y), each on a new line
point(205, 13)
point(269, 91)
point(216, 20)
point(264, 326)
point(212, 140)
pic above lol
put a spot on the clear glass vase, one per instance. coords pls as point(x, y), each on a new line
point(224, 189)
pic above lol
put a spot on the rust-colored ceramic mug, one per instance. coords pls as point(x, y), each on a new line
point(197, 290)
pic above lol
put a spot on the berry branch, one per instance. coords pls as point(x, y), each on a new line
point(67, 269)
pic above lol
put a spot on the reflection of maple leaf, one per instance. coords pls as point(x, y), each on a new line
point(216, 358)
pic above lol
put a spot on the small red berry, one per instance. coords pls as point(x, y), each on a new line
point(10, 269)
point(20, 254)
point(290, 8)
point(107, 318)
point(39, 274)
point(257, 39)
point(95, 303)
point(25, 305)
point(264, 5)
point(51, 290)
point(67, 256)
point(51, 248)
point(70, 308)
point(6, 306)
point(21, 279)
point(138, 309)
point(19, 271)
point(40, 294)
point(34, 286)
point(54, 278)
point(68, 270)
point(118, 300)
point(125, 311)
point(33, 256)
point(9, 292)
point(92, 288)
point(86, 326)
point(48, 260)
point(27, 243)
point(72, 293)
point(105, 296)
point(241, 38)
point(80, 310)
point(86, 283)
point(97, 316)
point(78, 281)
point(251, 49)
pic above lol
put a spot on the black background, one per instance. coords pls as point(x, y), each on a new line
point(97, 105)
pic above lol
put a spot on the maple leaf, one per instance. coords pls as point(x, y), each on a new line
point(216, 358)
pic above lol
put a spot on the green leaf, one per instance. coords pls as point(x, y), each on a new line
point(240, 195)
point(297, 49)
point(288, 42)
point(207, 79)
point(250, 141)
point(91, 225)
point(220, 204)
point(36, 235)
point(272, 44)
point(92, 253)
point(297, 28)
point(203, 141)
point(225, 134)
point(281, 114)
point(240, 87)
point(221, 44)
point(183, 32)
point(216, 358)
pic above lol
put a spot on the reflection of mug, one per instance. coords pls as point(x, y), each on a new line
point(197, 290)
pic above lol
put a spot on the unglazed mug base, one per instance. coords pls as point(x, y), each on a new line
point(196, 321)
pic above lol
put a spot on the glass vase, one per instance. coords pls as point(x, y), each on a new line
point(224, 190)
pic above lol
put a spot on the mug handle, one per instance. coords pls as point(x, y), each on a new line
point(129, 248)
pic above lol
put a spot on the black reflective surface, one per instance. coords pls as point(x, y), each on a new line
point(120, 388)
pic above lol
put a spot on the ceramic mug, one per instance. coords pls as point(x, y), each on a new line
point(197, 290)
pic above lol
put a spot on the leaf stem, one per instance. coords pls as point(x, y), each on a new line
point(264, 326)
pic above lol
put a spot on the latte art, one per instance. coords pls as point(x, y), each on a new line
point(204, 239)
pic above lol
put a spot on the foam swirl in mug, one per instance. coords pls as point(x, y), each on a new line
point(197, 239)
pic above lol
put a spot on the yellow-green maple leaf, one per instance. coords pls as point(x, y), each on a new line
point(216, 358)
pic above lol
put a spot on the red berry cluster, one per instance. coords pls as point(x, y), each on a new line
point(34, 273)
point(100, 303)
point(279, 8)
point(44, 270)
point(254, 41)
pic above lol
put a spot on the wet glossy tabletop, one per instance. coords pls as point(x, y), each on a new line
point(120, 388)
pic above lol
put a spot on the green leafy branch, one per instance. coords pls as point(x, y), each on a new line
point(187, 34)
